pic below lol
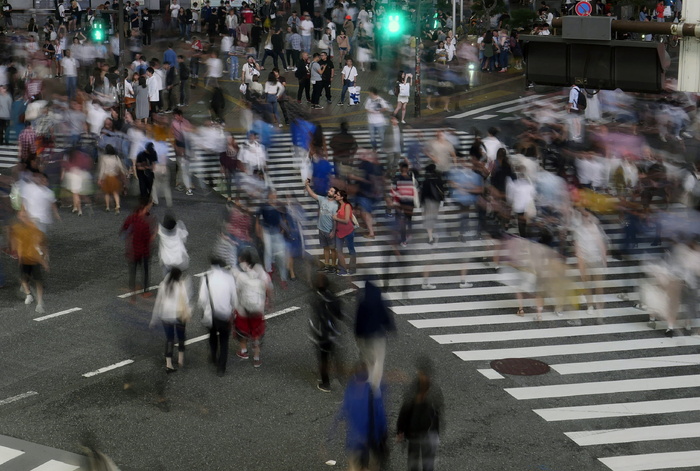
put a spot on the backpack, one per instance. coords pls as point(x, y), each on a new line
point(581, 100)
point(397, 89)
point(251, 292)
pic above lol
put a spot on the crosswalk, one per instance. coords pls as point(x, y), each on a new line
point(511, 110)
point(616, 382)
point(19, 455)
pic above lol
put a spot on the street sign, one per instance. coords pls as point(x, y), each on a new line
point(583, 8)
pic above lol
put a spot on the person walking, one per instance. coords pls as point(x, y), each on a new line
point(376, 106)
point(218, 298)
point(402, 91)
point(273, 91)
point(172, 237)
point(139, 237)
point(270, 228)
point(349, 77)
point(145, 161)
point(254, 291)
point(172, 309)
point(316, 81)
point(420, 420)
point(326, 314)
point(110, 176)
point(327, 76)
point(29, 243)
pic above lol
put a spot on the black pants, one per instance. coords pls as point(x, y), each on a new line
point(327, 88)
point(295, 57)
point(183, 91)
point(170, 331)
point(145, 184)
point(289, 54)
point(4, 133)
point(132, 273)
point(304, 87)
point(146, 37)
point(316, 92)
point(219, 334)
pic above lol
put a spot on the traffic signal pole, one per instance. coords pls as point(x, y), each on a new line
point(647, 27)
point(121, 92)
point(416, 74)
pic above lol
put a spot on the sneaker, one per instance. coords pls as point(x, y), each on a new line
point(189, 192)
point(331, 269)
point(404, 244)
point(428, 286)
point(323, 387)
point(242, 355)
point(341, 104)
point(466, 284)
point(40, 309)
point(669, 333)
point(29, 299)
point(323, 269)
point(257, 362)
point(342, 272)
point(558, 314)
point(574, 322)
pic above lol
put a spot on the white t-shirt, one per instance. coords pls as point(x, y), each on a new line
point(307, 27)
point(37, 200)
point(350, 73)
point(375, 110)
point(215, 67)
point(274, 88)
point(174, 9)
point(70, 67)
point(153, 87)
point(492, 144)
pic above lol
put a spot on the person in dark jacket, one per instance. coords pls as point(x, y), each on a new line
point(432, 193)
point(421, 419)
point(325, 329)
point(373, 323)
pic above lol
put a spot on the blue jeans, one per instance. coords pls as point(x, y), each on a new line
point(306, 44)
point(346, 85)
point(503, 59)
point(348, 241)
point(71, 87)
point(272, 101)
point(376, 135)
point(275, 248)
point(233, 68)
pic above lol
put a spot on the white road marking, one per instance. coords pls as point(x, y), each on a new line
point(344, 292)
point(57, 314)
point(491, 373)
point(490, 107)
point(108, 368)
point(8, 454)
point(651, 461)
point(127, 295)
point(283, 311)
point(54, 465)
point(635, 434)
point(576, 349)
point(625, 409)
point(18, 397)
point(669, 361)
point(487, 116)
point(605, 387)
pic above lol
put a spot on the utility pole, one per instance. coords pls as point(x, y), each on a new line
point(416, 75)
point(122, 43)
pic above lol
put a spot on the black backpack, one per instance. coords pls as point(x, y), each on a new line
point(581, 100)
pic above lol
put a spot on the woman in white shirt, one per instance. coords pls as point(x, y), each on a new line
point(273, 90)
point(173, 310)
point(402, 90)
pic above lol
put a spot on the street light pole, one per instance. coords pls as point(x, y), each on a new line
point(121, 92)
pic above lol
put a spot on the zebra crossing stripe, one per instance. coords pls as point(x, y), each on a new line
point(604, 387)
point(635, 434)
point(7, 454)
point(625, 409)
point(550, 333)
point(491, 107)
point(500, 319)
point(53, 465)
point(669, 361)
point(577, 349)
point(653, 461)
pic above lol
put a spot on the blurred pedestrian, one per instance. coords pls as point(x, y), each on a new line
point(172, 309)
point(33, 255)
point(145, 162)
point(269, 225)
point(110, 176)
point(420, 420)
point(376, 106)
point(373, 323)
point(254, 292)
point(325, 328)
point(218, 299)
point(139, 237)
point(344, 234)
point(402, 91)
point(172, 237)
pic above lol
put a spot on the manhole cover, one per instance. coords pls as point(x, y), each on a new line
point(520, 366)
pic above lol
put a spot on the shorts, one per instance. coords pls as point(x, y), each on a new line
point(31, 272)
point(348, 240)
point(325, 239)
point(365, 204)
point(251, 326)
point(403, 99)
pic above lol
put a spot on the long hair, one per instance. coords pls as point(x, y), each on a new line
point(171, 278)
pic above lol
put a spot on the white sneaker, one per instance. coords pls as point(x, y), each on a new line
point(466, 284)
point(428, 286)
point(574, 322)
point(29, 299)
point(559, 314)
point(40, 309)
point(189, 192)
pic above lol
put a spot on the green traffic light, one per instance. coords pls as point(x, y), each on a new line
point(394, 24)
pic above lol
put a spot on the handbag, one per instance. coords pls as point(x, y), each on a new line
point(416, 197)
point(322, 44)
point(243, 38)
point(208, 321)
point(243, 88)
